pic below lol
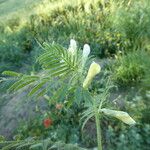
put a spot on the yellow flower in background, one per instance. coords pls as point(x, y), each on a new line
point(92, 72)
point(121, 115)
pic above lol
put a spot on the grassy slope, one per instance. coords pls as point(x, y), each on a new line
point(9, 8)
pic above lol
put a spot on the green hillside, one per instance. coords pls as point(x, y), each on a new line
point(9, 8)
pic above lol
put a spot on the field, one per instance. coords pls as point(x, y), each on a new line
point(74, 74)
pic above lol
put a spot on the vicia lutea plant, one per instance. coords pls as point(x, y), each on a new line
point(63, 78)
point(97, 101)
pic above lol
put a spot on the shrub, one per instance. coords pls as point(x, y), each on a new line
point(131, 68)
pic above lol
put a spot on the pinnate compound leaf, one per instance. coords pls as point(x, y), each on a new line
point(57, 60)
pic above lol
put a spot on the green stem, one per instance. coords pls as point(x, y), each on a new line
point(98, 129)
point(103, 3)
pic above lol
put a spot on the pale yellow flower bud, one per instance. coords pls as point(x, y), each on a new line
point(92, 72)
point(121, 115)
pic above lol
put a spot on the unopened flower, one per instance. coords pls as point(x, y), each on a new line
point(72, 47)
point(92, 72)
point(86, 51)
point(85, 54)
point(121, 115)
point(47, 122)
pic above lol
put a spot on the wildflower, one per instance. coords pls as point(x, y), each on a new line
point(121, 115)
point(59, 106)
point(72, 47)
point(86, 51)
point(85, 54)
point(92, 72)
point(47, 122)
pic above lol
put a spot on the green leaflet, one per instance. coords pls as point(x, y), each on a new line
point(42, 92)
point(35, 146)
point(37, 88)
point(28, 77)
point(12, 88)
point(11, 146)
point(44, 57)
point(20, 84)
point(24, 145)
point(57, 69)
point(11, 73)
point(24, 84)
point(51, 63)
point(61, 72)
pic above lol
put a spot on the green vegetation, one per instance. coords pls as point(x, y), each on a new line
point(132, 67)
point(34, 37)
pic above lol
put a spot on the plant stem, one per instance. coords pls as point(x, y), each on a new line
point(103, 3)
point(98, 129)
